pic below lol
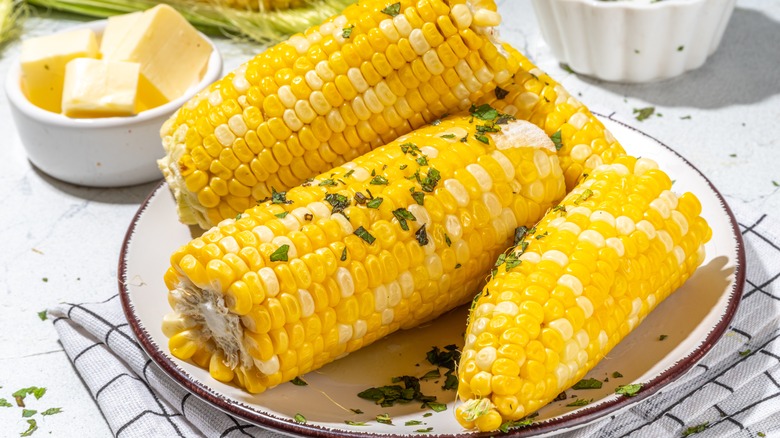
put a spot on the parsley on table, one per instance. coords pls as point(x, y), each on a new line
point(356, 423)
point(508, 425)
point(644, 113)
point(33, 426)
point(662, 337)
point(4, 403)
point(616, 374)
point(27, 413)
point(745, 352)
point(695, 429)
point(43, 315)
point(51, 411)
point(299, 418)
point(426, 430)
point(413, 423)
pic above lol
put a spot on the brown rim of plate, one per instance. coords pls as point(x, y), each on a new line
point(575, 419)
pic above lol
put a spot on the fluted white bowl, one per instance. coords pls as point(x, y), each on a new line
point(99, 152)
point(633, 40)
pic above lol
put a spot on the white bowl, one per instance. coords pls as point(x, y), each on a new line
point(633, 40)
point(100, 152)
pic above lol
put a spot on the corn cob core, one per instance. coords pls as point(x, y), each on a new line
point(583, 141)
point(620, 243)
point(387, 241)
point(359, 80)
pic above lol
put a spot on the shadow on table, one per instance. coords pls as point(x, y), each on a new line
point(112, 195)
point(743, 70)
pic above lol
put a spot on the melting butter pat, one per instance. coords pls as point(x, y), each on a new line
point(171, 53)
point(100, 88)
point(43, 61)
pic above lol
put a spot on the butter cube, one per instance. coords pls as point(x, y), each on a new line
point(116, 29)
point(43, 61)
point(172, 54)
point(100, 88)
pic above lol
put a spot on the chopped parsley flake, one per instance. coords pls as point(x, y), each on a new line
point(404, 215)
point(347, 31)
point(384, 419)
point(282, 215)
point(508, 425)
point(465, 138)
point(22, 393)
point(280, 255)
point(42, 315)
point(403, 166)
point(392, 9)
point(616, 375)
point(422, 236)
point(447, 136)
point(338, 202)
point(297, 381)
point(431, 375)
point(379, 180)
point(775, 183)
point(644, 113)
point(745, 353)
point(356, 423)
point(587, 193)
point(680, 48)
point(33, 426)
point(360, 198)
point(299, 418)
point(482, 138)
point(413, 423)
point(375, 203)
point(419, 197)
point(279, 197)
point(447, 240)
point(662, 337)
point(327, 183)
point(430, 180)
point(556, 139)
point(500, 93)
point(422, 160)
point(587, 384)
point(410, 148)
point(484, 112)
point(695, 429)
point(348, 174)
point(579, 402)
point(628, 390)
point(344, 254)
point(357, 411)
point(4, 403)
point(27, 413)
point(685, 118)
point(436, 406)
point(51, 411)
point(365, 235)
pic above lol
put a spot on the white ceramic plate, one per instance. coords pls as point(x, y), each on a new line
point(692, 319)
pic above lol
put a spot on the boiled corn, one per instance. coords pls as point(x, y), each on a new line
point(360, 79)
point(583, 141)
point(585, 276)
point(387, 241)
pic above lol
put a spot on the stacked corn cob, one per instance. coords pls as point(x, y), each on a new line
point(618, 245)
point(361, 79)
point(387, 241)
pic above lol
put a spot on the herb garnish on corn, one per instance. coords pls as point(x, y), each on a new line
point(260, 320)
point(319, 99)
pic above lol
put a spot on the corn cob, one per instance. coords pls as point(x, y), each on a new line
point(616, 247)
point(361, 79)
point(583, 141)
point(392, 239)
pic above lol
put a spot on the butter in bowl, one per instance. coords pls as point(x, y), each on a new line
point(633, 41)
point(88, 102)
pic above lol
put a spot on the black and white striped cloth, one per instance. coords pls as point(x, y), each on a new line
point(735, 394)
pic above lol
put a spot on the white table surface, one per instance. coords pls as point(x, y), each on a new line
point(61, 242)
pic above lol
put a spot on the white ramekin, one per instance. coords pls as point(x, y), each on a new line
point(100, 152)
point(633, 40)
